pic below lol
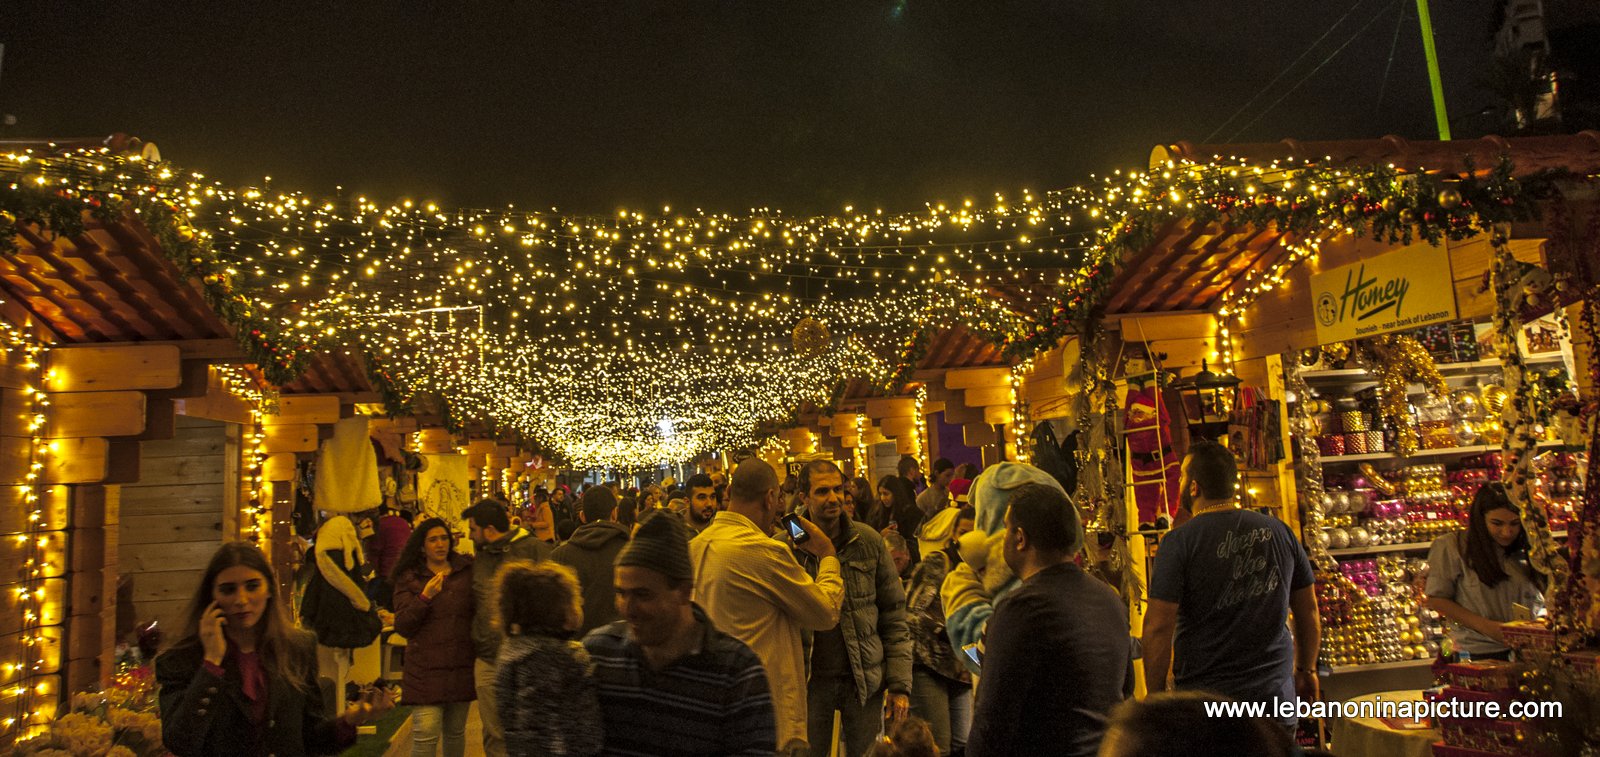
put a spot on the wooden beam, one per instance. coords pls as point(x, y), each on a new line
point(278, 467)
point(297, 437)
point(304, 408)
point(993, 395)
point(998, 415)
point(220, 350)
point(895, 428)
point(96, 414)
point(90, 369)
point(77, 461)
point(976, 378)
point(977, 434)
point(886, 407)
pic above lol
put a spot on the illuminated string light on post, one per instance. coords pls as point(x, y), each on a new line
point(1230, 312)
point(257, 523)
point(1019, 411)
point(858, 454)
point(35, 548)
point(918, 426)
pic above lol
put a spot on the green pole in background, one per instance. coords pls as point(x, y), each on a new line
point(1433, 71)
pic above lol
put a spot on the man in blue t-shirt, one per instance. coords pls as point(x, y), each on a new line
point(1224, 585)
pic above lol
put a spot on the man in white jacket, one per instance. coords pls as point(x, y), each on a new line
point(753, 589)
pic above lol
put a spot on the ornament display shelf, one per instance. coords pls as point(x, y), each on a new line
point(1409, 546)
point(1477, 366)
point(1371, 666)
point(1422, 453)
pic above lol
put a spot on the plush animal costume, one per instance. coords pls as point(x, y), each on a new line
point(972, 588)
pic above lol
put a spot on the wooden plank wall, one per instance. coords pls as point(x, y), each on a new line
point(172, 519)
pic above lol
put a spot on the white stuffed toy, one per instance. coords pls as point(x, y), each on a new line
point(971, 590)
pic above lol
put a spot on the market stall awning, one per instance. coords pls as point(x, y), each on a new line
point(110, 283)
point(1190, 264)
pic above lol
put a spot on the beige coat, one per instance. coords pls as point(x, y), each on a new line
point(753, 589)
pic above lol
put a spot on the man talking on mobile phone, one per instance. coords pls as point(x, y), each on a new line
point(752, 588)
point(860, 667)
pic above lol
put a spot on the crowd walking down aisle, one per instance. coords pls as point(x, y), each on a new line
point(752, 622)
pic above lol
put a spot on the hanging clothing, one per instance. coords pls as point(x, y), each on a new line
point(1156, 469)
point(347, 470)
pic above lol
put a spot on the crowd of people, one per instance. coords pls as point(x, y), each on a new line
point(815, 615)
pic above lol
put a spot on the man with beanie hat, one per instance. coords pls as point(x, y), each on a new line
point(752, 587)
point(591, 552)
point(669, 682)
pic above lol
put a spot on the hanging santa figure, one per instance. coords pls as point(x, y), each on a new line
point(1147, 429)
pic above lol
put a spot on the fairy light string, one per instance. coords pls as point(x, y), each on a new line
point(585, 322)
point(27, 674)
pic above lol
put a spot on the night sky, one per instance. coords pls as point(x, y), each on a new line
point(592, 105)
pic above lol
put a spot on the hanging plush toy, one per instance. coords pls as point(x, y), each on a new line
point(971, 590)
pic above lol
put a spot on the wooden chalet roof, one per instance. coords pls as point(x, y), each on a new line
point(1189, 265)
point(111, 283)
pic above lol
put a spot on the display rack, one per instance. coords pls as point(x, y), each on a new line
point(1378, 576)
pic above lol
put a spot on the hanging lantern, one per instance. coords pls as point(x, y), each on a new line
point(1208, 401)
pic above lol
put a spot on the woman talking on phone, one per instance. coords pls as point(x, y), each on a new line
point(241, 679)
point(433, 604)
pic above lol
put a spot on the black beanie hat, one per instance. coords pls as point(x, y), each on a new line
point(661, 544)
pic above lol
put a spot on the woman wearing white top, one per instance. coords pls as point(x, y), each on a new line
point(1475, 577)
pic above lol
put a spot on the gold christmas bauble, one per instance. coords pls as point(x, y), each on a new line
point(810, 336)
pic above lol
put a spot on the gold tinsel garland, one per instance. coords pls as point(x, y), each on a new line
point(1518, 416)
point(1309, 486)
point(1398, 361)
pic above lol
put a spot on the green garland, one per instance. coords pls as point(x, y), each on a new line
point(1380, 202)
point(61, 211)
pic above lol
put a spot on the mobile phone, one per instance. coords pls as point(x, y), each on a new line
point(973, 653)
point(797, 533)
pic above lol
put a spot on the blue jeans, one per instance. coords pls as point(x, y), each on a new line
point(427, 720)
point(945, 704)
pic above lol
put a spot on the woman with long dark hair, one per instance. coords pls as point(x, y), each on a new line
point(896, 496)
point(433, 604)
point(1476, 576)
point(241, 679)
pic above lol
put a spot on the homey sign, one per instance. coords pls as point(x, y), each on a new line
point(1395, 291)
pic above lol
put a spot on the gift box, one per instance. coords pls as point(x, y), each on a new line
point(1482, 675)
point(1375, 441)
point(1441, 749)
point(1503, 737)
point(1352, 421)
point(1529, 637)
point(1356, 443)
point(1583, 666)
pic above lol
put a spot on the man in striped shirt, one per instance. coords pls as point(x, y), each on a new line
point(669, 682)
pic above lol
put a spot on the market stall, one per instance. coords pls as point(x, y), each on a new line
point(174, 365)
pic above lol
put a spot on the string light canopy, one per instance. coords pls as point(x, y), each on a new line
point(637, 338)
